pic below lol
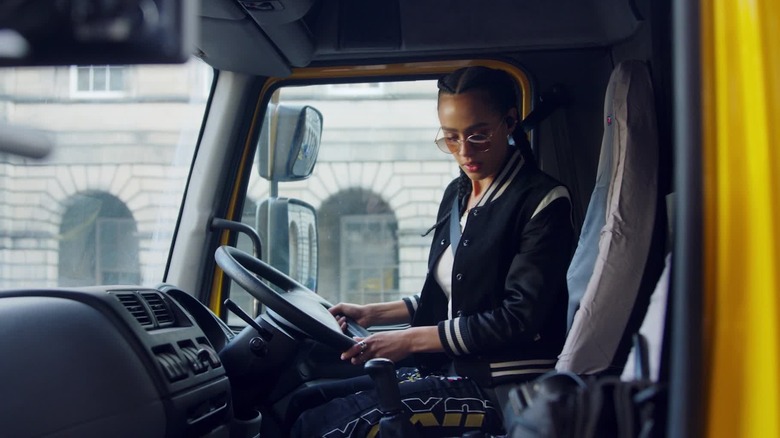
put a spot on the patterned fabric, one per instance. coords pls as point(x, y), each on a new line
point(438, 406)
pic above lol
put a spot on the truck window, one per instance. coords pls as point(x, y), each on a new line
point(375, 190)
point(102, 206)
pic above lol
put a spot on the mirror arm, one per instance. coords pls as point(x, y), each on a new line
point(224, 224)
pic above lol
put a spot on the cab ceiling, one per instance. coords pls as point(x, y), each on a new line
point(270, 37)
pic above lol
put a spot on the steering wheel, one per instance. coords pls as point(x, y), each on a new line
point(297, 307)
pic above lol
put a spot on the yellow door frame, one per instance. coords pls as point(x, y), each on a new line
point(740, 60)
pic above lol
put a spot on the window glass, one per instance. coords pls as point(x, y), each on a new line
point(102, 206)
point(117, 251)
point(116, 79)
point(369, 258)
point(99, 80)
point(375, 189)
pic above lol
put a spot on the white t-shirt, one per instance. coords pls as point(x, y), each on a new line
point(442, 272)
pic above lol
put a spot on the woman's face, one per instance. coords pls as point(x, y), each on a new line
point(462, 115)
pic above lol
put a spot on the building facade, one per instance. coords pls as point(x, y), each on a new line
point(101, 209)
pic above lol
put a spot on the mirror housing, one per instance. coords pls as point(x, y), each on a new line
point(295, 132)
point(94, 32)
point(288, 229)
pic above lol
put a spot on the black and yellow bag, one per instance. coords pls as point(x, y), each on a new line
point(563, 405)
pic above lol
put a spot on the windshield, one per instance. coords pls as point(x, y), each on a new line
point(102, 206)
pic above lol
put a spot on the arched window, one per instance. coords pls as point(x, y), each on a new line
point(98, 242)
point(358, 248)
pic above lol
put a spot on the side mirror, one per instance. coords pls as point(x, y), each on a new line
point(288, 228)
point(289, 142)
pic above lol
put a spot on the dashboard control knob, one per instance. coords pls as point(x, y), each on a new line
point(258, 346)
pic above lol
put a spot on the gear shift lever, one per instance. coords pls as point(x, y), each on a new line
point(395, 420)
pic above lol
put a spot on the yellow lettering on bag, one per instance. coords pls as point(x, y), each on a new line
point(425, 419)
point(451, 420)
point(474, 420)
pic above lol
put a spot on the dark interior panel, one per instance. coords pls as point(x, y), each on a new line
point(129, 367)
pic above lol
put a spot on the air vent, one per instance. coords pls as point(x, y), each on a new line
point(159, 307)
point(136, 308)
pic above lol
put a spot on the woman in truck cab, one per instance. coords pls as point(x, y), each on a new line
point(492, 310)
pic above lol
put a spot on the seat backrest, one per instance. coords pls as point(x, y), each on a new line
point(652, 332)
point(619, 255)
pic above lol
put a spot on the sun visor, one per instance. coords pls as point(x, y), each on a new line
point(282, 21)
point(264, 37)
point(239, 45)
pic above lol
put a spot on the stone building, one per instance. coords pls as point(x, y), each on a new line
point(101, 209)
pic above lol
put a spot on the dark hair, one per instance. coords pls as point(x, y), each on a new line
point(501, 90)
point(502, 94)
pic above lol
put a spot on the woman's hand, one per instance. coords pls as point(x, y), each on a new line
point(393, 312)
point(391, 345)
point(360, 314)
point(394, 345)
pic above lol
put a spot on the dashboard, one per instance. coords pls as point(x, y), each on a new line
point(112, 361)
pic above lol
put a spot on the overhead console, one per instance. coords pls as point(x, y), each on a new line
point(95, 361)
point(256, 36)
point(270, 37)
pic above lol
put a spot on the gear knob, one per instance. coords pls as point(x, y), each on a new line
point(382, 372)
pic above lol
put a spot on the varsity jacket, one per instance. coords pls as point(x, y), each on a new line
point(509, 296)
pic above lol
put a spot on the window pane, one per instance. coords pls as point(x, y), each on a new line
point(117, 247)
point(107, 250)
point(368, 247)
point(353, 279)
point(83, 78)
point(116, 79)
point(372, 280)
point(390, 279)
point(99, 78)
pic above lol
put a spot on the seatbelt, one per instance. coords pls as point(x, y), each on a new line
point(549, 101)
point(455, 226)
point(561, 143)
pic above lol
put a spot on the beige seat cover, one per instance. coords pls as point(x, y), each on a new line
point(630, 145)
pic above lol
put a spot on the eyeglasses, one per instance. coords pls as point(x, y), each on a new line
point(451, 144)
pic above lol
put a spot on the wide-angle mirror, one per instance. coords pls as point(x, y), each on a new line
point(288, 227)
point(294, 131)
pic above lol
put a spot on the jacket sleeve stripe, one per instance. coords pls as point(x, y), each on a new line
point(520, 363)
point(451, 337)
point(459, 336)
point(552, 195)
point(518, 372)
point(411, 304)
point(447, 338)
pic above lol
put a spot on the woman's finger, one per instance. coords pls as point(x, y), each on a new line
point(361, 357)
point(353, 350)
point(356, 353)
